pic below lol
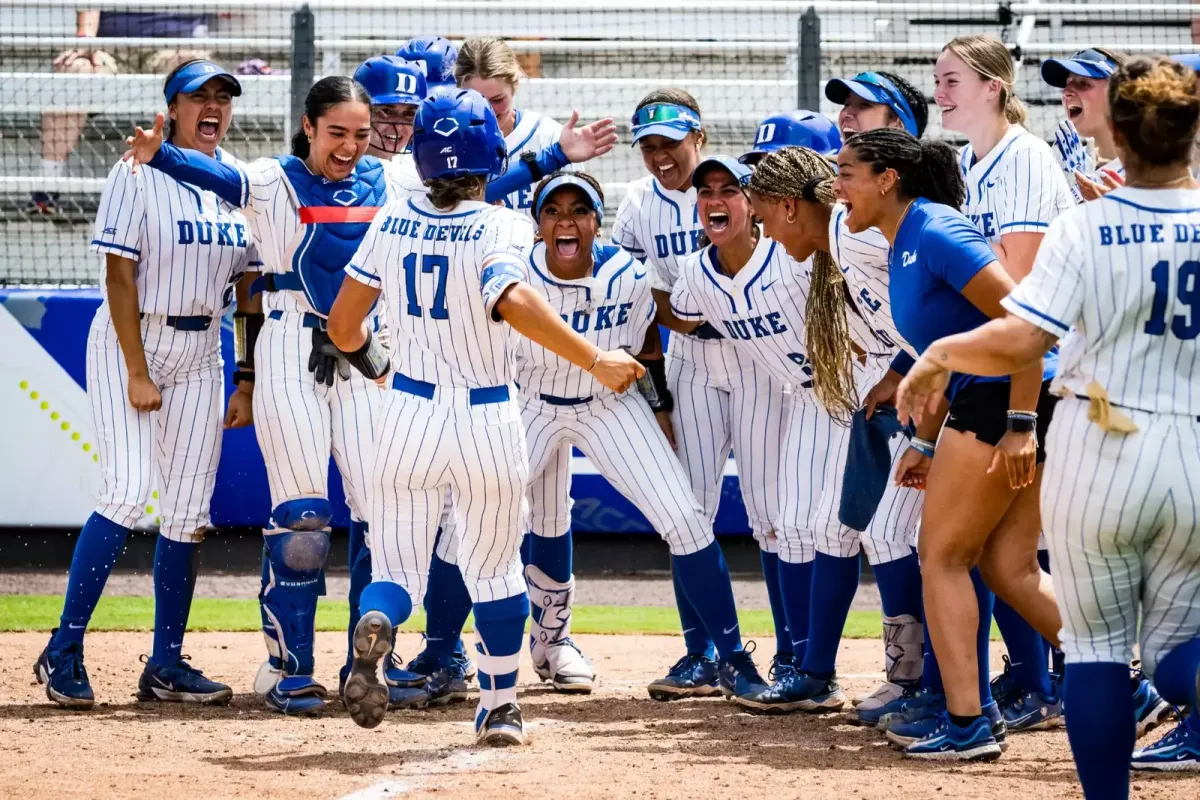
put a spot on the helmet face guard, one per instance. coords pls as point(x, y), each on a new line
point(456, 134)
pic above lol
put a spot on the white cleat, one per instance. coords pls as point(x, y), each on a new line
point(564, 666)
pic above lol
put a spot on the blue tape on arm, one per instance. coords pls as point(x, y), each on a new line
point(518, 176)
point(192, 166)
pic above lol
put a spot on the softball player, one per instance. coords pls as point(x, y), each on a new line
point(308, 213)
point(1083, 79)
point(715, 408)
point(791, 191)
point(1118, 277)
point(174, 259)
point(604, 293)
point(446, 293)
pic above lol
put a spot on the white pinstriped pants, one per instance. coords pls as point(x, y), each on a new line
point(1121, 513)
point(299, 423)
point(175, 449)
point(425, 447)
point(730, 402)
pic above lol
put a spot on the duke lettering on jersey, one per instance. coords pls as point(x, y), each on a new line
point(986, 223)
point(606, 318)
point(756, 327)
point(677, 243)
point(229, 233)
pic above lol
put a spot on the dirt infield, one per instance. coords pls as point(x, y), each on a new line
point(615, 743)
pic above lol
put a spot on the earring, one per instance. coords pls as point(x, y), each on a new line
point(791, 218)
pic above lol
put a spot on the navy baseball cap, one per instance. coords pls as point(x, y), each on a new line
point(874, 88)
point(567, 179)
point(1086, 63)
point(1190, 60)
point(195, 75)
point(740, 172)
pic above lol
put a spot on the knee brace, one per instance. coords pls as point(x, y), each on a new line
point(903, 649)
point(549, 607)
point(305, 514)
point(296, 561)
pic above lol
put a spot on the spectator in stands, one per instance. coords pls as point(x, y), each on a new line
point(61, 132)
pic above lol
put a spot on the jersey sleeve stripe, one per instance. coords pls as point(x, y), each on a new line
point(112, 246)
point(1029, 223)
point(1035, 317)
point(362, 272)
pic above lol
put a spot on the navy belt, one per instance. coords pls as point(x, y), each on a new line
point(197, 323)
point(276, 282)
point(310, 320)
point(476, 397)
point(565, 401)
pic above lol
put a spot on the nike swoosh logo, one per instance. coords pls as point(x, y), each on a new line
point(689, 630)
point(731, 630)
point(371, 646)
point(769, 285)
point(166, 685)
point(75, 627)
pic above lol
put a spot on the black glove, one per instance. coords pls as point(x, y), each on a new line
point(707, 332)
point(325, 361)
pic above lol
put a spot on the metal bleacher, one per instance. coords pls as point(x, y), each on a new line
point(742, 60)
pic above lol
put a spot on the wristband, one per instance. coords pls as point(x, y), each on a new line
point(370, 359)
point(246, 327)
point(653, 386)
point(922, 446)
point(535, 169)
point(1022, 421)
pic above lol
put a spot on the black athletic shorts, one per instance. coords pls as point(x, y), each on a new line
point(981, 408)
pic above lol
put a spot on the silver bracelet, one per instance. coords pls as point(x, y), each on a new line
point(923, 444)
point(595, 360)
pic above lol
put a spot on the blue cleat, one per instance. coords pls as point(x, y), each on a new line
point(923, 704)
point(796, 691)
point(1150, 709)
point(1004, 686)
point(365, 697)
point(64, 675)
point(873, 714)
point(425, 664)
point(448, 683)
point(180, 683)
point(737, 675)
point(1178, 751)
point(297, 696)
point(948, 742)
point(1033, 711)
point(782, 664)
point(903, 734)
point(691, 676)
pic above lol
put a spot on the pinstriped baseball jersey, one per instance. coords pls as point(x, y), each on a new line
point(402, 177)
point(762, 308)
point(532, 134)
point(612, 308)
point(863, 260)
point(271, 207)
point(1018, 187)
point(1125, 272)
point(441, 273)
point(190, 246)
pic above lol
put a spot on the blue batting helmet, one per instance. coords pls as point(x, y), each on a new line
point(437, 54)
point(796, 129)
point(455, 134)
point(390, 80)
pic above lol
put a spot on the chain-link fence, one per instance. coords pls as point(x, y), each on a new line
point(77, 76)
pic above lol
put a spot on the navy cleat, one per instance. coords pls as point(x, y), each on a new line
point(691, 676)
point(781, 664)
point(500, 727)
point(425, 664)
point(796, 691)
point(180, 683)
point(366, 698)
point(948, 742)
point(923, 704)
point(1178, 751)
point(903, 734)
point(66, 679)
point(738, 676)
point(1033, 711)
point(1004, 686)
point(448, 683)
point(1149, 708)
point(297, 696)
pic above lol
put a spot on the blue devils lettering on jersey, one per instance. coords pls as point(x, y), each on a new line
point(1137, 233)
point(228, 233)
point(412, 228)
point(321, 258)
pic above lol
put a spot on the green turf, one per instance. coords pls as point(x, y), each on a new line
point(40, 613)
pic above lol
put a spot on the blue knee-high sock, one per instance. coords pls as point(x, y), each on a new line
point(447, 605)
point(899, 585)
point(175, 565)
point(770, 569)
point(359, 560)
point(985, 599)
point(1053, 654)
point(100, 543)
point(553, 555)
point(695, 634)
point(500, 628)
point(795, 584)
point(1177, 674)
point(704, 576)
point(1101, 733)
point(1026, 649)
point(834, 582)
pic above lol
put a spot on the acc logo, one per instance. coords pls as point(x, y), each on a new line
point(446, 150)
point(344, 197)
point(446, 126)
point(907, 259)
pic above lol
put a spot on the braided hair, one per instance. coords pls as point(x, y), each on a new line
point(803, 174)
point(927, 169)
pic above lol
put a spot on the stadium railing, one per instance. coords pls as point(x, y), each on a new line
point(742, 60)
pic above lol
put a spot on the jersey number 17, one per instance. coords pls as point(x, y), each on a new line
point(439, 266)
